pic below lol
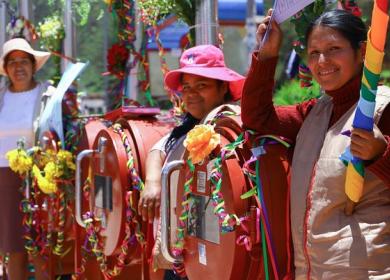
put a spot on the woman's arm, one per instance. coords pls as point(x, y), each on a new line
point(258, 110)
point(149, 203)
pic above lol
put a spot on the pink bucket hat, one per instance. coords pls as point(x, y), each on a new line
point(20, 44)
point(206, 61)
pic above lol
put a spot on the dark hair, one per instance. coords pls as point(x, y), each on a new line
point(187, 124)
point(30, 56)
point(350, 26)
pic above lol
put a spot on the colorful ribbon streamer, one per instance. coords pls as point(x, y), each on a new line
point(366, 105)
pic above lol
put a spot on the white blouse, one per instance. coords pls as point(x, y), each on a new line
point(16, 121)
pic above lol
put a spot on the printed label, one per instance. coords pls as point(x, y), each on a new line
point(202, 253)
point(201, 181)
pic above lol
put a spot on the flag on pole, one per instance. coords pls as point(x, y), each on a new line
point(363, 118)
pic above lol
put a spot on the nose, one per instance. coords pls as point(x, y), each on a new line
point(322, 58)
point(191, 92)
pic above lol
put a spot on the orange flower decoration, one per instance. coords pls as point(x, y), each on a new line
point(201, 141)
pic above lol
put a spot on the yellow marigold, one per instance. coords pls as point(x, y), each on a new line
point(51, 171)
point(43, 158)
point(19, 161)
point(45, 183)
point(66, 157)
point(201, 141)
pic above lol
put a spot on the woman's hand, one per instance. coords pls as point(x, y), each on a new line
point(367, 145)
point(270, 47)
point(149, 203)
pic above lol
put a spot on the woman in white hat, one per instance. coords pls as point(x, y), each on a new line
point(21, 102)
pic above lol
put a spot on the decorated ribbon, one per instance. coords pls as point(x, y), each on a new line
point(73, 125)
point(177, 249)
point(265, 228)
point(136, 181)
point(366, 105)
point(93, 228)
point(245, 239)
point(305, 76)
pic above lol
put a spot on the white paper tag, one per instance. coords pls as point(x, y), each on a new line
point(202, 253)
point(201, 181)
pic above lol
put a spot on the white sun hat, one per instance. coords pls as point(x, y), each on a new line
point(20, 44)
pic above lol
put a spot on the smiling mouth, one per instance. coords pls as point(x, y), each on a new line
point(194, 102)
point(327, 72)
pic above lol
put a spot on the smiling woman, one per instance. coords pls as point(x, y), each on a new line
point(205, 83)
point(327, 243)
point(20, 104)
point(20, 67)
point(201, 95)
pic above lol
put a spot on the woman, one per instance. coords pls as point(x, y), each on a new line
point(327, 243)
point(205, 83)
point(21, 102)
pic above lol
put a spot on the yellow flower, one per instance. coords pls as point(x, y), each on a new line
point(19, 162)
point(46, 183)
point(201, 141)
point(66, 157)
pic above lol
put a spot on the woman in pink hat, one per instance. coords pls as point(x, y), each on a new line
point(205, 83)
point(21, 102)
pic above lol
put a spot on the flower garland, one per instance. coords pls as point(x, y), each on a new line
point(60, 168)
point(19, 161)
point(52, 174)
point(119, 53)
point(117, 57)
point(21, 27)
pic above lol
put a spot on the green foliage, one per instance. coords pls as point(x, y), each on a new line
point(385, 75)
point(80, 7)
point(302, 20)
point(186, 10)
point(154, 10)
point(83, 9)
point(291, 93)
